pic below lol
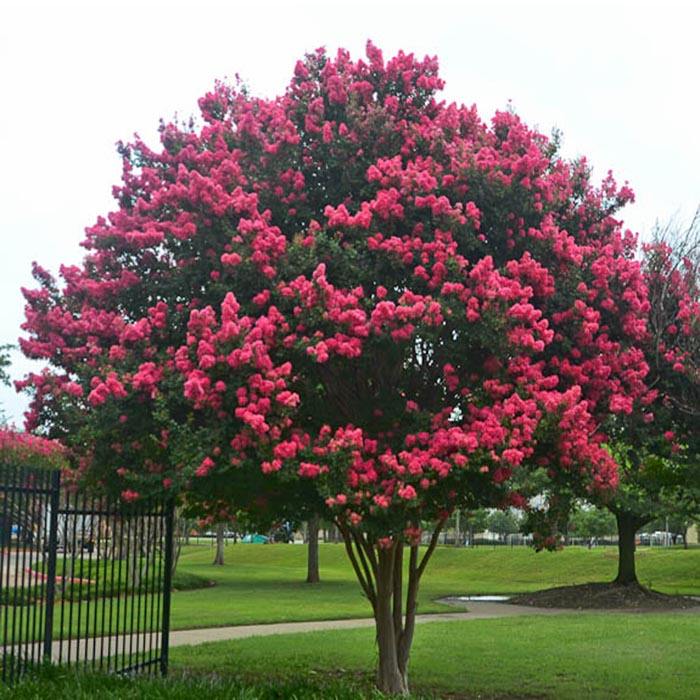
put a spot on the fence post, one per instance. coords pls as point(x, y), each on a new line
point(167, 585)
point(54, 504)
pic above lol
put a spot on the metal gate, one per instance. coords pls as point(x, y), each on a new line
point(82, 580)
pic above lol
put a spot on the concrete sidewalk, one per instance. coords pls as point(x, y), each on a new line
point(477, 611)
point(141, 644)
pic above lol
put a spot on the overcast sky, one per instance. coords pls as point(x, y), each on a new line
point(620, 79)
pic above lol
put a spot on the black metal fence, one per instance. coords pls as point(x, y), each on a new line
point(82, 580)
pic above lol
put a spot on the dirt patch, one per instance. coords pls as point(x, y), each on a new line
point(604, 596)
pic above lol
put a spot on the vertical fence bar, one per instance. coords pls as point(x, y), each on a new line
point(6, 540)
point(155, 592)
point(25, 596)
point(114, 594)
point(129, 610)
point(54, 502)
point(39, 577)
point(148, 593)
point(3, 607)
point(80, 579)
point(120, 638)
point(105, 596)
point(23, 611)
point(11, 476)
point(161, 538)
point(21, 496)
point(138, 583)
point(71, 582)
point(88, 547)
point(167, 584)
point(43, 556)
point(130, 588)
point(29, 591)
point(8, 637)
point(148, 549)
point(96, 553)
point(47, 552)
point(142, 587)
point(66, 550)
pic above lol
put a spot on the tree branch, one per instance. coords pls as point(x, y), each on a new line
point(398, 589)
point(371, 555)
point(405, 639)
point(431, 547)
point(365, 583)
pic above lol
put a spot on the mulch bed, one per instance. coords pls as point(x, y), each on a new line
point(604, 596)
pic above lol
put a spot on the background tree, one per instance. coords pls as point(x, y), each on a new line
point(658, 449)
point(589, 522)
point(476, 521)
point(503, 523)
point(353, 297)
point(4, 364)
point(4, 375)
point(312, 565)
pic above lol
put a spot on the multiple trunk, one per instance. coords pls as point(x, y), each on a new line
point(312, 572)
point(379, 567)
point(220, 535)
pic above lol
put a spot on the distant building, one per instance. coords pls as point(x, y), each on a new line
point(692, 536)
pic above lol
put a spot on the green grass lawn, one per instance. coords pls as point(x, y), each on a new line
point(570, 657)
point(574, 656)
point(265, 583)
point(67, 685)
point(586, 655)
point(87, 608)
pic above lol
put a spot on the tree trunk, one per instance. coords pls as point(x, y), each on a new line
point(380, 571)
point(626, 530)
point(312, 572)
point(219, 556)
point(391, 677)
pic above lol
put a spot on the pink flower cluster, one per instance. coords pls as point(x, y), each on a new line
point(19, 449)
point(360, 287)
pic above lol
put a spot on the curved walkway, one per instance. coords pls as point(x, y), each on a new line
point(476, 611)
point(90, 648)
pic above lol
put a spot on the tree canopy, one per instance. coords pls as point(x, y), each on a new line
point(356, 297)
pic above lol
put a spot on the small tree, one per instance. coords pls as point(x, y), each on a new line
point(355, 297)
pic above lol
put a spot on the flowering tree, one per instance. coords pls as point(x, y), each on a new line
point(658, 448)
point(18, 449)
point(353, 297)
